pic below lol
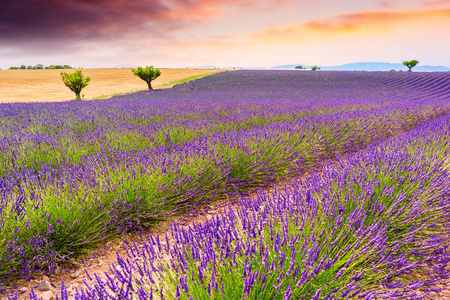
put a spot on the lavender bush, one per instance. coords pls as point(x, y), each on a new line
point(74, 175)
point(373, 225)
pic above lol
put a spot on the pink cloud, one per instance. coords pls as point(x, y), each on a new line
point(437, 3)
point(385, 4)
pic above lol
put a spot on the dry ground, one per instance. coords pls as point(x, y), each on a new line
point(47, 86)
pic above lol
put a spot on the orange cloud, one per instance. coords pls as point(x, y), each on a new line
point(362, 22)
point(367, 23)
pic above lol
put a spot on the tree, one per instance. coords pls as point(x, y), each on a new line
point(411, 64)
point(39, 66)
point(14, 68)
point(299, 67)
point(75, 82)
point(315, 68)
point(23, 67)
point(148, 74)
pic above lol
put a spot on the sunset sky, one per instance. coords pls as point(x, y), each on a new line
point(223, 33)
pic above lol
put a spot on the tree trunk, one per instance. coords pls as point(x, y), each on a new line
point(149, 85)
point(77, 96)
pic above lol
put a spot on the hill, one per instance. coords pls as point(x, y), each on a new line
point(372, 66)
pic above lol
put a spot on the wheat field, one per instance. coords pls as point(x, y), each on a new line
point(47, 86)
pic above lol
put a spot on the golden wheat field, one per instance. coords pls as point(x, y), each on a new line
point(47, 86)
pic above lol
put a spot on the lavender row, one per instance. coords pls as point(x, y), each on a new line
point(374, 225)
point(77, 174)
point(51, 133)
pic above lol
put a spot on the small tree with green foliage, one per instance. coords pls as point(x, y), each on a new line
point(75, 82)
point(148, 74)
point(315, 68)
point(411, 64)
point(299, 67)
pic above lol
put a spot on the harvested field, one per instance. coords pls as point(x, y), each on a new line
point(47, 86)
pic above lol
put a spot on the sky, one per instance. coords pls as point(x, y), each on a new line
point(223, 33)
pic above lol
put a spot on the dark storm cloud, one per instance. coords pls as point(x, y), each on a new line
point(31, 20)
point(61, 19)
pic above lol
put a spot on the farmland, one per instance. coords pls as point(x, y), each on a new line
point(47, 86)
point(367, 156)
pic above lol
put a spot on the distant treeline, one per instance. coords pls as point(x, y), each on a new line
point(41, 67)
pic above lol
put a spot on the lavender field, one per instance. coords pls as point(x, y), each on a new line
point(372, 222)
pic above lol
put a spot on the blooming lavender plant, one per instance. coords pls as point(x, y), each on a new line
point(74, 175)
point(363, 228)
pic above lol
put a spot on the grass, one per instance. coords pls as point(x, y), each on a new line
point(173, 83)
point(165, 85)
point(112, 95)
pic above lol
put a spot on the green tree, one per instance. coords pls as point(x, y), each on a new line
point(23, 67)
point(299, 67)
point(315, 68)
point(30, 68)
point(148, 74)
point(411, 64)
point(75, 82)
point(39, 66)
point(14, 68)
